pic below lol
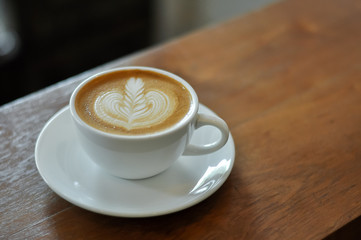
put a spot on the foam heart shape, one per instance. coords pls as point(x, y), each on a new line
point(135, 107)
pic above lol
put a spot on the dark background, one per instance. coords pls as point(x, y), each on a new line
point(57, 39)
point(61, 38)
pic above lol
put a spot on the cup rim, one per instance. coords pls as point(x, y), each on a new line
point(184, 121)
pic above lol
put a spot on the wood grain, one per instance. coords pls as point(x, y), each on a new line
point(287, 81)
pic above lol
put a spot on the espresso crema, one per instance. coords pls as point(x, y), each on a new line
point(132, 102)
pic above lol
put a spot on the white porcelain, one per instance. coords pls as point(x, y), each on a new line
point(142, 156)
point(71, 174)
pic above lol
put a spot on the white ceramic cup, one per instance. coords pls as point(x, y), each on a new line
point(142, 156)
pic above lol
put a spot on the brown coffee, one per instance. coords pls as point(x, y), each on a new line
point(132, 102)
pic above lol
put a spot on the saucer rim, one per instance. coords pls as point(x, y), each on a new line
point(98, 210)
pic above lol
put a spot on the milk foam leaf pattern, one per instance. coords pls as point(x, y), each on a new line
point(134, 99)
point(136, 108)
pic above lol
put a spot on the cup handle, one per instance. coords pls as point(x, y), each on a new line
point(203, 120)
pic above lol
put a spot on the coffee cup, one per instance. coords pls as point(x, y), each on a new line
point(135, 122)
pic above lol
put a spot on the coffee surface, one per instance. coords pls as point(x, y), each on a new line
point(132, 102)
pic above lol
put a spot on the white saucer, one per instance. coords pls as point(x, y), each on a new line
point(68, 172)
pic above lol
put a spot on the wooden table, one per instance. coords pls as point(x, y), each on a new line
point(287, 80)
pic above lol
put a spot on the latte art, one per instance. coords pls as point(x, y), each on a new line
point(132, 102)
point(135, 107)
